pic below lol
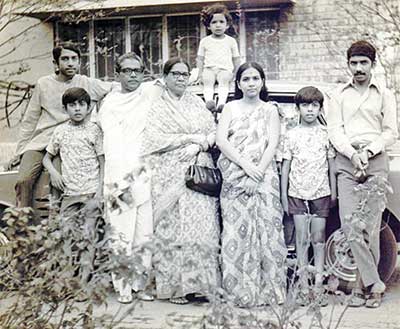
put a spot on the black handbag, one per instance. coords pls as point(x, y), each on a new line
point(204, 180)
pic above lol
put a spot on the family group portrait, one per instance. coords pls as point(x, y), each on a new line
point(199, 164)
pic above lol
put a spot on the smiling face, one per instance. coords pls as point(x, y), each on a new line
point(309, 112)
point(130, 75)
point(361, 68)
point(250, 83)
point(218, 25)
point(68, 63)
point(77, 111)
point(177, 79)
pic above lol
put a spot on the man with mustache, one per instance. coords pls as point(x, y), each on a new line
point(122, 118)
point(45, 113)
point(362, 123)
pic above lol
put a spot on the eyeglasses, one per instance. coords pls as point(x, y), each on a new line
point(128, 71)
point(177, 74)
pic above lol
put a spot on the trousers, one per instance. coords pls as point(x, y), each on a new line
point(132, 228)
point(29, 171)
point(365, 245)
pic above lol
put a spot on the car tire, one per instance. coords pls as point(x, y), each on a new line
point(388, 249)
point(340, 262)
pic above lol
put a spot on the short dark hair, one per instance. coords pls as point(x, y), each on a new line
point(67, 45)
point(74, 94)
point(171, 62)
point(309, 94)
point(208, 12)
point(130, 55)
point(244, 67)
point(362, 48)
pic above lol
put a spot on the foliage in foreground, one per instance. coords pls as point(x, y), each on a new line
point(55, 272)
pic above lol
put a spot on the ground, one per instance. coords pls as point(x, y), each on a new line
point(160, 314)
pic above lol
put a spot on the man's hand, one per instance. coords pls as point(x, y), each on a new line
point(189, 152)
point(57, 181)
point(360, 161)
point(15, 161)
point(364, 158)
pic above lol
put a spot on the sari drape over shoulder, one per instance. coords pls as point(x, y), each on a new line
point(253, 248)
point(185, 222)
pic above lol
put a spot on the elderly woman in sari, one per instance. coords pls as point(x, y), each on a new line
point(178, 133)
point(253, 248)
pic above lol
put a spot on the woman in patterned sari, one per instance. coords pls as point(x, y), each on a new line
point(253, 248)
point(178, 132)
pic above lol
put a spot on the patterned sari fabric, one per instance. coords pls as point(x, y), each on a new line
point(185, 222)
point(253, 248)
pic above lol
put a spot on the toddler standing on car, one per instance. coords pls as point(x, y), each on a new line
point(218, 56)
point(308, 183)
point(80, 145)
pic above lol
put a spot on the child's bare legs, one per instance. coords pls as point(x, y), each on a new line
point(224, 78)
point(301, 223)
point(209, 78)
point(318, 241)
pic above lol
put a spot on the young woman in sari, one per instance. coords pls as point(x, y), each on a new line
point(253, 248)
point(178, 132)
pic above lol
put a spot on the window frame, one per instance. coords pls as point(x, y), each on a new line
point(165, 36)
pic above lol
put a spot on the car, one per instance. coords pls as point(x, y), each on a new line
point(338, 254)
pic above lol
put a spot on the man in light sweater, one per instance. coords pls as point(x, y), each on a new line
point(45, 113)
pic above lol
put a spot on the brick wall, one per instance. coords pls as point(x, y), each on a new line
point(315, 34)
point(313, 41)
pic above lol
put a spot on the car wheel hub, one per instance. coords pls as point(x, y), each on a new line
point(339, 258)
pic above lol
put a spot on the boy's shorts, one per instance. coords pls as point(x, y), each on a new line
point(319, 207)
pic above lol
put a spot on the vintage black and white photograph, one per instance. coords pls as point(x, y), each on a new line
point(199, 164)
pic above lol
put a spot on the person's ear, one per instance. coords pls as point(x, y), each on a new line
point(373, 64)
point(117, 75)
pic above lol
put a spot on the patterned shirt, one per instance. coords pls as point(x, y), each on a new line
point(308, 148)
point(79, 147)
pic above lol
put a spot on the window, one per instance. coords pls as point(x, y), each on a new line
point(184, 37)
point(146, 41)
point(262, 42)
point(109, 44)
point(158, 38)
point(79, 35)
